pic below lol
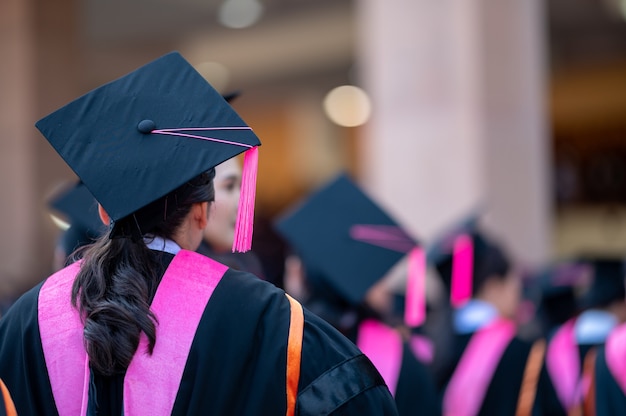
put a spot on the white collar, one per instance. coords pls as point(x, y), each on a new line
point(593, 326)
point(161, 244)
point(474, 315)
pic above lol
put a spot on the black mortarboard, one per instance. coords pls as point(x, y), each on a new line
point(78, 207)
point(346, 237)
point(136, 139)
point(607, 283)
point(557, 285)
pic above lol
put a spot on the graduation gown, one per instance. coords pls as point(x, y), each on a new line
point(403, 364)
point(236, 364)
point(610, 399)
point(415, 392)
point(569, 364)
point(610, 396)
point(503, 390)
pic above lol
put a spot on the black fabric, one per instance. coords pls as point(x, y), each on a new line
point(245, 262)
point(503, 391)
point(3, 410)
point(236, 365)
point(326, 394)
point(416, 388)
point(610, 399)
point(547, 401)
point(22, 365)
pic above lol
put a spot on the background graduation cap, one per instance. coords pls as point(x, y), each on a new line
point(352, 243)
point(607, 282)
point(556, 287)
point(79, 208)
point(134, 140)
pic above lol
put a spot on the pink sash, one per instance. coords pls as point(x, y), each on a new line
point(615, 351)
point(563, 364)
point(383, 346)
point(152, 381)
point(422, 348)
point(468, 385)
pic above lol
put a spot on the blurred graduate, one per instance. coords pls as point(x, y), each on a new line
point(484, 367)
point(571, 352)
point(347, 245)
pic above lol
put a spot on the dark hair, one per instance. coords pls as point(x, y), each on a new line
point(490, 262)
point(119, 276)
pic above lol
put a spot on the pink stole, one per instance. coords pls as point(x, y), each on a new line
point(383, 346)
point(563, 365)
point(615, 351)
point(467, 387)
point(152, 381)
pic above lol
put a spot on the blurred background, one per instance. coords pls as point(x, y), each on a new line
point(516, 110)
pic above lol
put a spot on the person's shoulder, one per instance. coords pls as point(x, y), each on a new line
point(25, 305)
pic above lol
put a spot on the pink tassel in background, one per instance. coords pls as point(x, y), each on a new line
point(415, 308)
point(245, 216)
point(462, 266)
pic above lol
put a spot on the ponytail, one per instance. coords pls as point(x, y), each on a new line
point(118, 278)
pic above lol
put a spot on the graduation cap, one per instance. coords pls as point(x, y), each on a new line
point(134, 140)
point(352, 243)
point(77, 206)
point(607, 283)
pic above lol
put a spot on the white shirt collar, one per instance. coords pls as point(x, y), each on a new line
point(474, 315)
point(593, 326)
point(161, 244)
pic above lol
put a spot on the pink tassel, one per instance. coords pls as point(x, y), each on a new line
point(462, 266)
point(245, 216)
point(415, 307)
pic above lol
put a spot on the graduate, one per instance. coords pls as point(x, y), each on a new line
point(484, 364)
point(571, 351)
point(143, 324)
point(347, 245)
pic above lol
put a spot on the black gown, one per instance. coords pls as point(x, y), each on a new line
point(415, 392)
point(236, 365)
point(503, 391)
point(610, 399)
point(547, 401)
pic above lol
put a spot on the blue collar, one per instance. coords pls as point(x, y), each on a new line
point(593, 326)
point(474, 315)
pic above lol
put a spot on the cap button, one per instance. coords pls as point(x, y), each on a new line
point(146, 126)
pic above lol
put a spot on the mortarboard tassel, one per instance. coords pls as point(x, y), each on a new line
point(462, 266)
point(415, 308)
point(245, 216)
